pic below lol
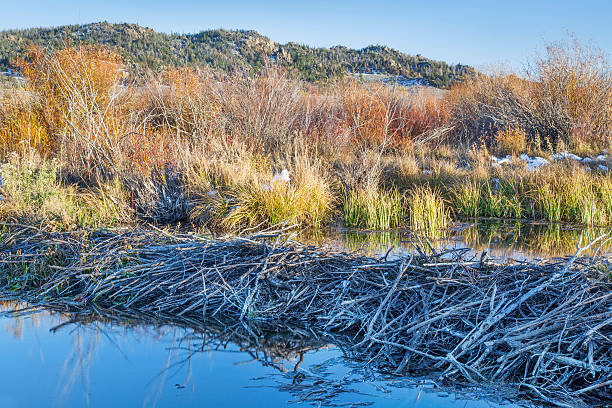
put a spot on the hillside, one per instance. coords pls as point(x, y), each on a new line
point(145, 48)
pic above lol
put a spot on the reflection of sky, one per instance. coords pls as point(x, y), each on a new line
point(117, 367)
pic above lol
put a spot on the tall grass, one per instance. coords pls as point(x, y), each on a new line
point(373, 208)
point(559, 193)
point(428, 213)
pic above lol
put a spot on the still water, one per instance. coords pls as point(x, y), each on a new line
point(59, 359)
point(501, 240)
point(51, 360)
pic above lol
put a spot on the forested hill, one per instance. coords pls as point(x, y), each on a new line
point(224, 50)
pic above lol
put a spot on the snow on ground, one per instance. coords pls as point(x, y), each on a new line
point(282, 177)
point(499, 162)
point(534, 163)
point(566, 155)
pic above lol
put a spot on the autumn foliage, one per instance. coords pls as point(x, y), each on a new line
point(80, 104)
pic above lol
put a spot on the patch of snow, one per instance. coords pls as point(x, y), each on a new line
point(498, 162)
point(587, 160)
point(601, 157)
point(213, 193)
point(282, 176)
point(566, 155)
point(533, 163)
point(505, 160)
point(602, 167)
point(427, 171)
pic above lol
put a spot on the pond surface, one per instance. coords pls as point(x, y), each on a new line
point(500, 239)
point(52, 360)
point(64, 360)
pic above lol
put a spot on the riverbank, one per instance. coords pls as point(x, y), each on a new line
point(465, 320)
point(425, 191)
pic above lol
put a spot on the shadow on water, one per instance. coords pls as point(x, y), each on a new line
point(500, 239)
point(292, 364)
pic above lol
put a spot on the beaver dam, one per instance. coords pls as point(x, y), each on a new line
point(540, 328)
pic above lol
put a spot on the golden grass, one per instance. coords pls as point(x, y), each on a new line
point(428, 213)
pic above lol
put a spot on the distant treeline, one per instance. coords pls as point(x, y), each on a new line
point(225, 50)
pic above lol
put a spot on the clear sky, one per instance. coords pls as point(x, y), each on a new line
point(474, 32)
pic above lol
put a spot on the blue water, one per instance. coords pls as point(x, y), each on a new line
point(105, 365)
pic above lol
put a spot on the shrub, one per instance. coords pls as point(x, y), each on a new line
point(78, 88)
point(565, 98)
point(574, 82)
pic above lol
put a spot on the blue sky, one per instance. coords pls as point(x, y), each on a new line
point(470, 31)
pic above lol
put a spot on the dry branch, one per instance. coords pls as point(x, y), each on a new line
point(543, 327)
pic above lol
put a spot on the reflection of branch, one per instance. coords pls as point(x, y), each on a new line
point(70, 322)
point(80, 360)
point(269, 345)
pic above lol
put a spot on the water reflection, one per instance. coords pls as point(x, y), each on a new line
point(501, 239)
point(94, 358)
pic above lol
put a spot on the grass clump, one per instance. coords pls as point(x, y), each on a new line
point(511, 140)
point(372, 208)
point(428, 212)
point(31, 189)
point(254, 205)
point(304, 199)
point(477, 197)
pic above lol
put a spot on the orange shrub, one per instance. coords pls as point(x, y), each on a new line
point(21, 128)
point(70, 79)
point(378, 115)
point(77, 88)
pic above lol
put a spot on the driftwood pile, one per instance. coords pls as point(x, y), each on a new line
point(543, 327)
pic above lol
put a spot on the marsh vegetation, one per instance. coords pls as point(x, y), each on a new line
point(87, 144)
